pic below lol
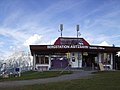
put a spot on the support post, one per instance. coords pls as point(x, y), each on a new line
point(99, 57)
point(112, 61)
point(34, 61)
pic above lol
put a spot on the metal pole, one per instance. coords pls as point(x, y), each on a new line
point(77, 30)
point(61, 28)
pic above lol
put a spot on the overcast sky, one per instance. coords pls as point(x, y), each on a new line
point(25, 22)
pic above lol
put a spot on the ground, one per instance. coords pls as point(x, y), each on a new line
point(80, 80)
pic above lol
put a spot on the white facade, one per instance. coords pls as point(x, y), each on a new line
point(76, 61)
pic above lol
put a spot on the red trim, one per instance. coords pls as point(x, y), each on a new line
point(57, 42)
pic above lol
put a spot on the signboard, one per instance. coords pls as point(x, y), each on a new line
point(75, 41)
point(72, 46)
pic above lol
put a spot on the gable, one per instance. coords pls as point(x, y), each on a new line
point(71, 41)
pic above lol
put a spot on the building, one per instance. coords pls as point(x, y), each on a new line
point(72, 52)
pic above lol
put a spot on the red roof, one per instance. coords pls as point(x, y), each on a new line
point(71, 41)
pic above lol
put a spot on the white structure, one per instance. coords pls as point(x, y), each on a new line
point(75, 52)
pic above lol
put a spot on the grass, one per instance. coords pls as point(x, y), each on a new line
point(35, 75)
point(100, 81)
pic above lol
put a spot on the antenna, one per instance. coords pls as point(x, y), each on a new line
point(77, 28)
point(61, 29)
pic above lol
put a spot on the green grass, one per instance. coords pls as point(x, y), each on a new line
point(100, 81)
point(35, 75)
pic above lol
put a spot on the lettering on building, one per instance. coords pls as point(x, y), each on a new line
point(72, 46)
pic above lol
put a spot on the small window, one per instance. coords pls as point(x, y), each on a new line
point(106, 58)
point(43, 60)
point(73, 54)
point(73, 59)
point(37, 60)
point(46, 60)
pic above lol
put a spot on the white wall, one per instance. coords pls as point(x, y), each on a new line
point(76, 63)
point(43, 65)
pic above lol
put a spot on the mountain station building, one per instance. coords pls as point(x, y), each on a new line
point(72, 52)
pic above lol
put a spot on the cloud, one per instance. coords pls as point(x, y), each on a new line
point(39, 25)
point(35, 39)
point(13, 33)
point(1, 44)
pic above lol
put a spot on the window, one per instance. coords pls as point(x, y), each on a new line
point(43, 60)
point(37, 60)
point(106, 58)
point(46, 60)
point(73, 59)
point(73, 54)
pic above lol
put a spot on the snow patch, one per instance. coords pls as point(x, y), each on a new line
point(104, 43)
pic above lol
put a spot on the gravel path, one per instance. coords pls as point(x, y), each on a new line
point(75, 75)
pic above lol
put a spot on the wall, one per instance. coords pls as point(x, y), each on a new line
point(75, 63)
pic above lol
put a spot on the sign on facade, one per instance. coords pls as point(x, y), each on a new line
point(72, 46)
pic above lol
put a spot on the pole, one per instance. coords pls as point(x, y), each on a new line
point(69, 64)
point(61, 28)
point(77, 28)
point(78, 59)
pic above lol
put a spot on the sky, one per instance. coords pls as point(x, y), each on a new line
point(28, 22)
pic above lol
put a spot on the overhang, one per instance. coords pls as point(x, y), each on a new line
point(52, 49)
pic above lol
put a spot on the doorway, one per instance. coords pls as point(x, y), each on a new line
point(90, 60)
